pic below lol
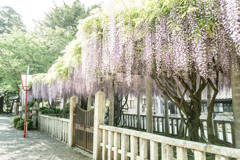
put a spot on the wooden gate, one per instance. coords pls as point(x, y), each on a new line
point(84, 128)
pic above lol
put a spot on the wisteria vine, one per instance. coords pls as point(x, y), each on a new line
point(126, 46)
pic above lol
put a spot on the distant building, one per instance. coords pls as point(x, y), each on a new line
point(223, 109)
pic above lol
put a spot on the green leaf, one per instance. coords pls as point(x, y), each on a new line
point(196, 39)
point(191, 37)
point(209, 30)
point(184, 14)
point(213, 27)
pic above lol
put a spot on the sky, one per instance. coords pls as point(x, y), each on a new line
point(31, 10)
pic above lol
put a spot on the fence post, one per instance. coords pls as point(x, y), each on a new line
point(73, 104)
point(138, 114)
point(99, 114)
point(167, 152)
point(166, 117)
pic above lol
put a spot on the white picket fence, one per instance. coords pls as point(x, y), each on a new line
point(119, 143)
point(55, 127)
point(122, 143)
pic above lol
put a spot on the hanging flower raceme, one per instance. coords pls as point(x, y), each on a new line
point(230, 13)
point(133, 42)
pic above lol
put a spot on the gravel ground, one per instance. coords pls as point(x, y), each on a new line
point(36, 146)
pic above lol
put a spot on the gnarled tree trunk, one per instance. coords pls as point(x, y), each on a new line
point(193, 125)
point(210, 105)
point(118, 107)
point(175, 89)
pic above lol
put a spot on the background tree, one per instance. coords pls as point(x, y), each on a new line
point(66, 17)
point(38, 49)
point(59, 27)
point(8, 19)
point(18, 50)
point(54, 41)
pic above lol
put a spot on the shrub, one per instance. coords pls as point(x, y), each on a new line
point(20, 124)
point(48, 111)
point(42, 108)
point(58, 111)
point(15, 120)
point(67, 109)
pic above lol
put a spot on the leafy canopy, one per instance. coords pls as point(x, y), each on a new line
point(8, 19)
point(66, 16)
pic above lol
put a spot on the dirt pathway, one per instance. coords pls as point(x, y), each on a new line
point(37, 146)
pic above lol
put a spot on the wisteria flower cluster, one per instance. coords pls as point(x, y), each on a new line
point(128, 45)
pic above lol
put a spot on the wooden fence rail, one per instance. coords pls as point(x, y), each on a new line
point(223, 129)
point(123, 143)
point(55, 127)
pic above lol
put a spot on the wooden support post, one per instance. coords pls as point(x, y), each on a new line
point(154, 150)
point(64, 107)
point(124, 146)
point(224, 132)
point(111, 107)
point(71, 133)
point(216, 129)
point(110, 145)
point(99, 114)
point(177, 131)
point(143, 149)
point(167, 152)
point(233, 134)
point(138, 114)
point(158, 127)
point(154, 124)
point(166, 117)
point(172, 126)
point(181, 153)
point(218, 157)
point(134, 147)
point(163, 129)
point(235, 85)
point(116, 146)
point(143, 121)
point(104, 145)
point(198, 155)
point(149, 114)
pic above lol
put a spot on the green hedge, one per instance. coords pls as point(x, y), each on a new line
point(20, 124)
point(67, 109)
point(15, 120)
point(48, 111)
point(58, 110)
point(42, 108)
